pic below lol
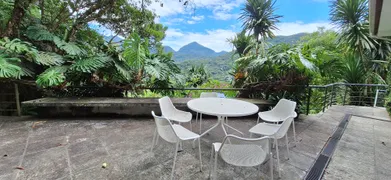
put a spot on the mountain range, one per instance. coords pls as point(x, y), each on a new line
point(218, 64)
point(195, 51)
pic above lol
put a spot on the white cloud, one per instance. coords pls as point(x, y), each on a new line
point(191, 22)
point(289, 28)
point(221, 15)
point(221, 9)
point(197, 18)
point(213, 39)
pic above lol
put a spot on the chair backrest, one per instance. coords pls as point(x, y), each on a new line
point(166, 106)
point(208, 94)
point(284, 127)
point(244, 151)
point(165, 129)
point(284, 108)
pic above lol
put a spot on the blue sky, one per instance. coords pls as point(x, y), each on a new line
point(211, 22)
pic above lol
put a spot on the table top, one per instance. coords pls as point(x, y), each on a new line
point(222, 107)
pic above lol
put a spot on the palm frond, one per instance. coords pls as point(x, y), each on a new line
point(53, 76)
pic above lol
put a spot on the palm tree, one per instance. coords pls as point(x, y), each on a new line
point(242, 43)
point(259, 18)
point(351, 17)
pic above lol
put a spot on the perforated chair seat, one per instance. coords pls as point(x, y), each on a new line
point(242, 155)
point(265, 129)
point(183, 133)
point(270, 116)
point(180, 116)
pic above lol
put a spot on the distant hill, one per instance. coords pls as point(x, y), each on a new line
point(193, 51)
point(218, 64)
point(219, 67)
point(292, 39)
point(168, 49)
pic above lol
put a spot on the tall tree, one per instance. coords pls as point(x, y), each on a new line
point(20, 8)
point(259, 17)
point(351, 17)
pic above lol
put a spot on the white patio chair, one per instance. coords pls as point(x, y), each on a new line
point(283, 109)
point(173, 133)
point(173, 114)
point(275, 131)
point(244, 152)
point(205, 95)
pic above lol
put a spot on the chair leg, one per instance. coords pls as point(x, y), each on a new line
point(211, 164)
point(287, 143)
point(199, 151)
point(173, 165)
point(271, 165)
point(294, 132)
point(278, 158)
point(215, 166)
point(251, 135)
point(153, 139)
point(197, 117)
point(200, 123)
point(157, 139)
point(191, 127)
point(258, 120)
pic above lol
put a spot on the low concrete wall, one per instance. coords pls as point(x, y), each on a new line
point(76, 107)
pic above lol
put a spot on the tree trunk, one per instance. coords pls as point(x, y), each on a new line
point(18, 13)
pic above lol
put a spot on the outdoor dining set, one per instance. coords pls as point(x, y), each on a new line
point(234, 150)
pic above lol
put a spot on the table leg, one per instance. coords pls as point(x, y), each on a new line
point(233, 128)
point(219, 120)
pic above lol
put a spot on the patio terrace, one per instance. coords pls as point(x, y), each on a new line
point(77, 148)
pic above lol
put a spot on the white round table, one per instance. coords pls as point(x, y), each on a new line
point(222, 108)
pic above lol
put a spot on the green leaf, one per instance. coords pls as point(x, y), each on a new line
point(136, 50)
point(70, 48)
point(53, 76)
point(39, 33)
point(91, 64)
point(13, 68)
point(124, 70)
point(49, 59)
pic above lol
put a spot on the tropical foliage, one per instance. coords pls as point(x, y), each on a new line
point(52, 44)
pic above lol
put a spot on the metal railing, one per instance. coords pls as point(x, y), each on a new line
point(317, 97)
point(320, 97)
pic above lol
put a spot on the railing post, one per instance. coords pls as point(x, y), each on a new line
point(309, 99)
point(17, 99)
point(344, 96)
point(325, 99)
point(376, 96)
point(331, 97)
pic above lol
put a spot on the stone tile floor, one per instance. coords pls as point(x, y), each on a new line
point(364, 151)
point(76, 148)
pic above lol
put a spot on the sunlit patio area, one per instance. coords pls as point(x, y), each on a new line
point(33, 148)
